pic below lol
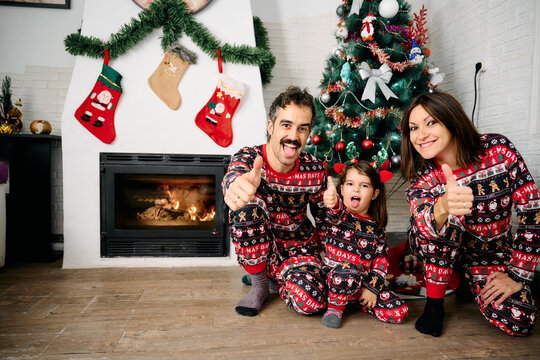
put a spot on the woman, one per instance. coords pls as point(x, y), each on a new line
point(462, 189)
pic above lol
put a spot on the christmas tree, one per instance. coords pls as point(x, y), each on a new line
point(379, 65)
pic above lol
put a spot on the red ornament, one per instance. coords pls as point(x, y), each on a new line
point(367, 144)
point(316, 139)
point(338, 167)
point(354, 160)
point(427, 52)
point(385, 165)
point(340, 146)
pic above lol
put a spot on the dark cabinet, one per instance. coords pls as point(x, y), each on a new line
point(28, 203)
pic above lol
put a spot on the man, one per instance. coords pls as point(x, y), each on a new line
point(268, 189)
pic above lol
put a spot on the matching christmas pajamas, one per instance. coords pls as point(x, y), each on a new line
point(481, 242)
point(273, 231)
point(356, 257)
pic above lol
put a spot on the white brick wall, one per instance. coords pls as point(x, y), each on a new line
point(42, 90)
point(500, 33)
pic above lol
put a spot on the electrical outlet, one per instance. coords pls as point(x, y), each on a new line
point(481, 66)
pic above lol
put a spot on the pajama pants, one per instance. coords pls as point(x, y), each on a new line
point(294, 264)
point(515, 316)
point(344, 285)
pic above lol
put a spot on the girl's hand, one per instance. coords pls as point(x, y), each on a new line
point(330, 196)
point(499, 283)
point(367, 298)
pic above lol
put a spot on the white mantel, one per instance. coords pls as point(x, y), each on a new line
point(144, 124)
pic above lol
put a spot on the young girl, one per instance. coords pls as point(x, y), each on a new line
point(356, 250)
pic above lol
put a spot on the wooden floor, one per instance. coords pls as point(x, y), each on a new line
point(188, 313)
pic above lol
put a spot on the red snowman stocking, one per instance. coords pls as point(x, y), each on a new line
point(96, 113)
point(216, 116)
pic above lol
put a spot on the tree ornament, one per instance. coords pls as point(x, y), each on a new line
point(375, 77)
point(345, 72)
point(367, 144)
point(325, 98)
point(388, 8)
point(338, 52)
point(367, 28)
point(342, 32)
point(316, 139)
point(385, 165)
point(395, 161)
point(415, 56)
point(351, 150)
point(354, 160)
point(340, 10)
point(340, 146)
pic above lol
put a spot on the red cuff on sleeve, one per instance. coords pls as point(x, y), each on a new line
point(253, 269)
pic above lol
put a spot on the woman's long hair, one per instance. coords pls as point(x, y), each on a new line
point(377, 208)
point(446, 109)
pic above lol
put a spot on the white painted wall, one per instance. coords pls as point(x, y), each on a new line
point(35, 36)
point(144, 124)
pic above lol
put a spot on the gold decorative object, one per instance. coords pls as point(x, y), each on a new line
point(40, 127)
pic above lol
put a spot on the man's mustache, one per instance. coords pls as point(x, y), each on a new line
point(291, 142)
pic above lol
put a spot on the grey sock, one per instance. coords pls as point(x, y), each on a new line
point(332, 318)
point(272, 285)
point(252, 303)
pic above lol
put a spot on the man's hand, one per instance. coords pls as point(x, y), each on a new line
point(242, 190)
point(499, 283)
point(367, 298)
point(330, 196)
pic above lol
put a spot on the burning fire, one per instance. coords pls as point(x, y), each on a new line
point(195, 214)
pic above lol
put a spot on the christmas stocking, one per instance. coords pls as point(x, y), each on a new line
point(216, 116)
point(164, 81)
point(96, 113)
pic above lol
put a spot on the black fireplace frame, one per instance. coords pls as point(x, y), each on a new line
point(161, 242)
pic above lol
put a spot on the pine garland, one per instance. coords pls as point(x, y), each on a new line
point(175, 20)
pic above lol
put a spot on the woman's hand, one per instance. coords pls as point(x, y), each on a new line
point(499, 283)
point(367, 298)
point(457, 200)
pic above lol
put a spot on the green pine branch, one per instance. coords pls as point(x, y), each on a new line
point(175, 20)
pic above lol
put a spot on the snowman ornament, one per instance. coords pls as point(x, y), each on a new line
point(415, 56)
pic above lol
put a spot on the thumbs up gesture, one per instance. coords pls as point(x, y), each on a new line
point(457, 200)
point(242, 190)
point(330, 196)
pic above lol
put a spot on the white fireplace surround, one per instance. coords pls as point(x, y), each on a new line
point(144, 124)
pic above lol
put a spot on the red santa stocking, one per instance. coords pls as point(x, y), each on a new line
point(96, 113)
point(216, 116)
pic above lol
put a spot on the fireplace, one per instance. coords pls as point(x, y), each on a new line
point(163, 205)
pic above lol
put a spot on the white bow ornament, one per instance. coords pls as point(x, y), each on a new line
point(375, 77)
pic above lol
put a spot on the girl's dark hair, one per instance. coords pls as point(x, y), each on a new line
point(377, 208)
point(295, 95)
point(446, 109)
